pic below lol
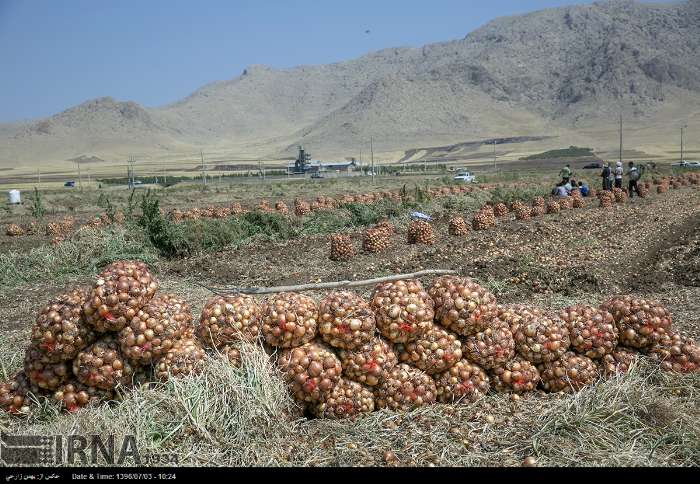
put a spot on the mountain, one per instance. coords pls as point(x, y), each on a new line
point(565, 72)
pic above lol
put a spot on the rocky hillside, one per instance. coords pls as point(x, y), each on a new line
point(561, 70)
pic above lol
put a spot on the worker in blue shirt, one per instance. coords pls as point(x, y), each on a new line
point(583, 188)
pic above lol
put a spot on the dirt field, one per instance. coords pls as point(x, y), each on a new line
point(647, 247)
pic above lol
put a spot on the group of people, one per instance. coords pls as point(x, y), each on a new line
point(568, 184)
point(609, 176)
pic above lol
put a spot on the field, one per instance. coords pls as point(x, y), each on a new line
point(244, 416)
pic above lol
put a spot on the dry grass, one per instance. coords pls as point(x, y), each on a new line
point(245, 417)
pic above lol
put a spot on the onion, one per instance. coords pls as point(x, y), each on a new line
point(289, 320)
point(405, 388)
point(568, 374)
point(434, 352)
point(184, 358)
point(641, 323)
point(311, 371)
point(403, 310)
point(462, 305)
point(227, 319)
point(492, 347)
point(102, 365)
point(369, 363)
point(347, 399)
point(592, 331)
point(465, 382)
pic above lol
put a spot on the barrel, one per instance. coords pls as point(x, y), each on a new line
point(13, 197)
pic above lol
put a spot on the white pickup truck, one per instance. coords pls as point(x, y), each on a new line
point(465, 177)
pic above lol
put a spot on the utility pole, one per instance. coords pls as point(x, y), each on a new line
point(204, 170)
point(620, 137)
point(38, 172)
point(494, 155)
point(80, 179)
point(371, 150)
point(682, 129)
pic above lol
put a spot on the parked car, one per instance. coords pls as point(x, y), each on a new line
point(465, 177)
point(69, 184)
point(316, 175)
point(687, 164)
point(593, 166)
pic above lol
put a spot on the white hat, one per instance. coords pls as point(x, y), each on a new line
point(619, 163)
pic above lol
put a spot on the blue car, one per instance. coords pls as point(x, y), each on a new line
point(69, 184)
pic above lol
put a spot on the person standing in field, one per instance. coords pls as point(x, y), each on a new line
point(566, 173)
point(606, 176)
point(633, 175)
point(618, 175)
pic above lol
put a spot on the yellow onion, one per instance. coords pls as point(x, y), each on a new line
point(232, 354)
point(434, 352)
point(346, 320)
point(185, 358)
point(15, 394)
point(568, 374)
point(289, 319)
point(540, 338)
point(122, 288)
point(641, 323)
point(592, 331)
point(403, 310)
point(227, 319)
point(369, 363)
point(102, 365)
point(420, 232)
point(484, 219)
point(155, 329)
point(42, 372)
point(60, 331)
point(464, 382)
point(73, 396)
point(618, 361)
point(461, 305)
point(404, 388)
point(311, 371)
point(492, 347)
point(676, 353)
point(347, 399)
point(517, 375)
point(515, 314)
point(500, 210)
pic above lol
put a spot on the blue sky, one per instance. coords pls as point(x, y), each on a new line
point(56, 54)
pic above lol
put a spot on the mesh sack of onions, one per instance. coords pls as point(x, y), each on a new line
point(347, 399)
point(516, 314)
point(568, 374)
point(289, 319)
point(402, 309)
point(155, 329)
point(404, 388)
point(341, 247)
point(60, 330)
point(434, 352)
point(500, 210)
point(301, 207)
point(565, 203)
point(553, 206)
point(540, 338)
point(368, 364)
point(386, 227)
point(226, 319)
point(517, 375)
point(522, 213)
point(281, 207)
point(465, 381)
point(186, 357)
point(375, 240)
point(74, 396)
point(311, 371)
point(618, 361)
point(676, 353)
point(592, 331)
point(492, 347)
point(537, 211)
point(641, 322)
point(484, 219)
point(15, 394)
point(458, 227)
point(420, 232)
point(539, 202)
point(620, 195)
point(346, 320)
point(102, 365)
point(579, 202)
point(461, 305)
point(122, 288)
point(42, 372)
